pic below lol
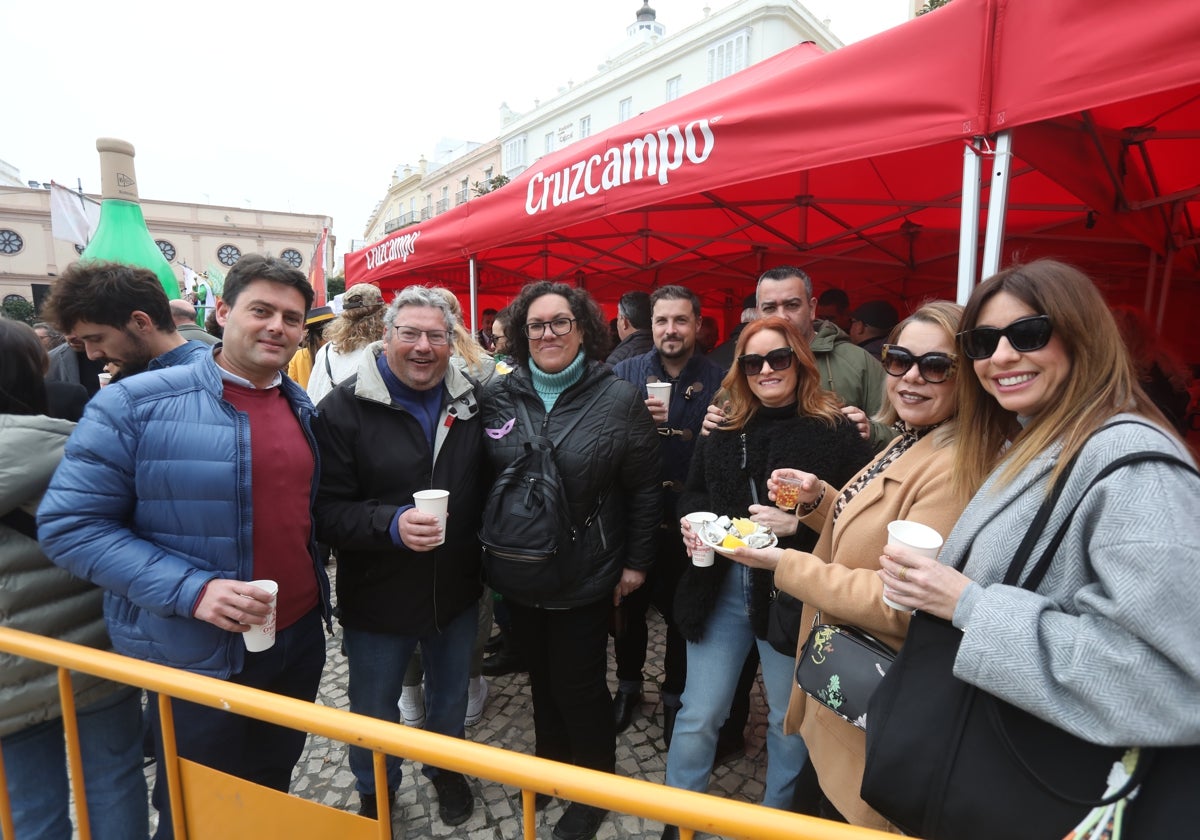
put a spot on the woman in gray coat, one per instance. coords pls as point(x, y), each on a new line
point(1107, 647)
point(38, 597)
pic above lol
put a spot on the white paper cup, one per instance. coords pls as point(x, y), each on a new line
point(436, 502)
point(702, 556)
point(261, 637)
point(104, 378)
point(913, 535)
point(661, 391)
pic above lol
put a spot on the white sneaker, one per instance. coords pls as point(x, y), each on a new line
point(412, 706)
point(477, 693)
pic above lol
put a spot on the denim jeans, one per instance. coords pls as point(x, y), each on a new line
point(110, 735)
point(377, 663)
point(713, 665)
point(251, 749)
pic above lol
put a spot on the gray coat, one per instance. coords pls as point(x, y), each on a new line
point(1108, 648)
point(35, 595)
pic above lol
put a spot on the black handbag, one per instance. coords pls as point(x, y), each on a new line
point(840, 667)
point(946, 760)
point(783, 623)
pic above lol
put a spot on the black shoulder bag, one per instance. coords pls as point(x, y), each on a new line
point(946, 760)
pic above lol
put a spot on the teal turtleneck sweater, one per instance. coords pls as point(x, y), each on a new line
point(550, 385)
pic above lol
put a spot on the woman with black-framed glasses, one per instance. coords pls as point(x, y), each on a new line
point(777, 415)
point(1104, 643)
point(608, 460)
point(908, 480)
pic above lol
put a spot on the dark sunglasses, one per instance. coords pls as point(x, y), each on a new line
point(933, 367)
point(780, 359)
point(1024, 335)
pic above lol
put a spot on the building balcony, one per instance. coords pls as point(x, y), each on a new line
point(443, 205)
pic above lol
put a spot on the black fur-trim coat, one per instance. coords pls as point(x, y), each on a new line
point(723, 467)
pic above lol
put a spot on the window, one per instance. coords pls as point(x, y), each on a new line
point(229, 255)
point(585, 126)
point(168, 250)
point(10, 242)
point(487, 174)
point(549, 142)
point(292, 257)
point(463, 193)
point(514, 155)
point(625, 109)
point(673, 85)
point(729, 56)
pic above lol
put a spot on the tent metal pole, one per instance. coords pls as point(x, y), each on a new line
point(997, 204)
point(968, 225)
point(1150, 275)
point(474, 297)
point(1168, 264)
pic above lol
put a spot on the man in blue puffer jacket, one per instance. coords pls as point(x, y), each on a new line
point(181, 486)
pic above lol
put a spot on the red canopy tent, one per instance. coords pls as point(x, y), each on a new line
point(839, 161)
point(852, 165)
point(1102, 100)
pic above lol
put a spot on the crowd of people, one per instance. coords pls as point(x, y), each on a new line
point(139, 517)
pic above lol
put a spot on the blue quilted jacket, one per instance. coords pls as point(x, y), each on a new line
point(152, 500)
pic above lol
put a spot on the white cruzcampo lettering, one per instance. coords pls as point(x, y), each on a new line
point(654, 155)
point(400, 248)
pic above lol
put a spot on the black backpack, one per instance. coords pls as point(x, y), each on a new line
point(528, 536)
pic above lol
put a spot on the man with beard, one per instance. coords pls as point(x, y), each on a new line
point(674, 322)
point(120, 314)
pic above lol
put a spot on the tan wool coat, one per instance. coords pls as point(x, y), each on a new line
point(838, 578)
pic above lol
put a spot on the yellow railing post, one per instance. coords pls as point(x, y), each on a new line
point(66, 698)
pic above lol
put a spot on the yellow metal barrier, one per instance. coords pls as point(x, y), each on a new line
point(208, 804)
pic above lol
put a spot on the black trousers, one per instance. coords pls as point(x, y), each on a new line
point(567, 654)
point(632, 636)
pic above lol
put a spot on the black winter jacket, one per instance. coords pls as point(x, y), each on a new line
point(612, 451)
point(374, 456)
point(719, 481)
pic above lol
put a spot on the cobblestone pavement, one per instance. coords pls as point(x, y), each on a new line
point(324, 773)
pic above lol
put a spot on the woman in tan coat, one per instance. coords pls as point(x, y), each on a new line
point(908, 480)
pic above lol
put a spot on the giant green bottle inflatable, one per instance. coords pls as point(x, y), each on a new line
point(122, 235)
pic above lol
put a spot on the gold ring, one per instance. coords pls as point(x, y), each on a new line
point(903, 573)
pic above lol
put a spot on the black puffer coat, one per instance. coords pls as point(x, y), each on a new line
point(719, 481)
point(613, 450)
point(374, 456)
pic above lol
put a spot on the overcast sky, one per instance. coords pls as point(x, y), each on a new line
point(273, 106)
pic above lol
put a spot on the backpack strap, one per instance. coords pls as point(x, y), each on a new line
point(1034, 578)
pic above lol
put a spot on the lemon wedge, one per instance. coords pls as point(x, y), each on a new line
point(731, 541)
point(745, 527)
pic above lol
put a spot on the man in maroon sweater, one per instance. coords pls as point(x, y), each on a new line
point(178, 488)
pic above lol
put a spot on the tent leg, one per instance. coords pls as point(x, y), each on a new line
point(1168, 264)
point(474, 298)
point(997, 204)
point(1150, 275)
point(968, 226)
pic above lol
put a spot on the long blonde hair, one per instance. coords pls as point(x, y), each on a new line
point(812, 400)
point(1100, 384)
point(355, 328)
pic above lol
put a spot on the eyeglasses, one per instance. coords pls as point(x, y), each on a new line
point(933, 367)
point(1024, 334)
point(535, 330)
point(779, 359)
point(791, 305)
point(411, 335)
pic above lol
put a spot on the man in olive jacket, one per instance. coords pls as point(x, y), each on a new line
point(407, 421)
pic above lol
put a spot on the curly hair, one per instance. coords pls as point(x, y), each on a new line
point(811, 399)
point(588, 320)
